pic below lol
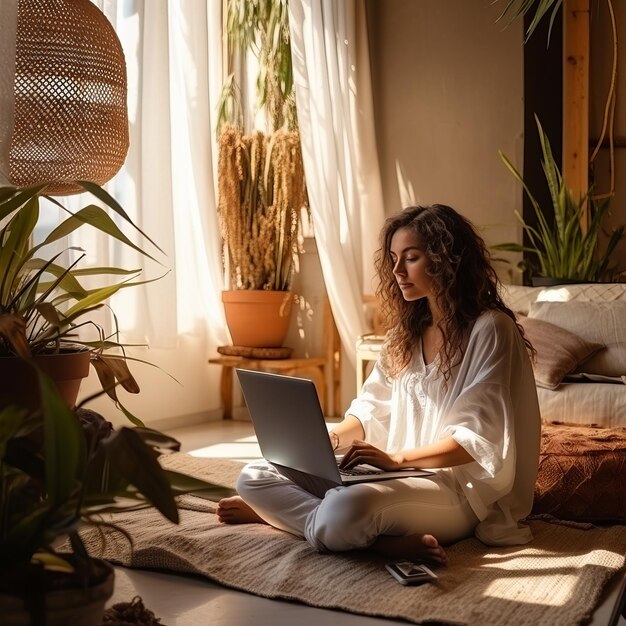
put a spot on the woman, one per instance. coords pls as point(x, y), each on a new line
point(453, 391)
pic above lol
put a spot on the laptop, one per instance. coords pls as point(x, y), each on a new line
point(292, 434)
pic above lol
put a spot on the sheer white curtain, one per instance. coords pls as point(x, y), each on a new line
point(334, 104)
point(173, 56)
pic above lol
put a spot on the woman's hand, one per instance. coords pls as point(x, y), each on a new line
point(363, 452)
point(444, 453)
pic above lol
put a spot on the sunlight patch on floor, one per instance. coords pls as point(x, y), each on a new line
point(558, 589)
point(221, 442)
point(244, 449)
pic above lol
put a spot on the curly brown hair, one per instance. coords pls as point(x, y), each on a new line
point(463, 281)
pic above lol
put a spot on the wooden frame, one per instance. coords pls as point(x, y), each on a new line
point(575, 167)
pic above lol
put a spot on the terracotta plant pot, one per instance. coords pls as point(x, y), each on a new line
point(19, 381)
point(257, 318)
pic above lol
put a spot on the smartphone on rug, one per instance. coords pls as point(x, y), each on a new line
point(408, 573)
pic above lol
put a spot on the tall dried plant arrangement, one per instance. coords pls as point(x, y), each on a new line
point(261, 185)
point(262, 192)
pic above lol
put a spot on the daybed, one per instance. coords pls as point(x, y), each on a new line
point(579, 334)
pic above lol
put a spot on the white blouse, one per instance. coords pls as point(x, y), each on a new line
point(489, 407)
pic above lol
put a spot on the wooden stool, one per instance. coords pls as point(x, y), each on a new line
point(313, 368)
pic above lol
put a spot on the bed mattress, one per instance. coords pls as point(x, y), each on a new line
point(600, 404)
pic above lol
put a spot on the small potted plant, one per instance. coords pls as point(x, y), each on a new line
point(563, 251)
point(44, 305)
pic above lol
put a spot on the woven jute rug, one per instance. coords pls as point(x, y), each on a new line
point(556, 579)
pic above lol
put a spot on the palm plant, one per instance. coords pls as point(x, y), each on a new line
point(563, 249)
point(539, 9)
point(516, 9)
point(43, 304)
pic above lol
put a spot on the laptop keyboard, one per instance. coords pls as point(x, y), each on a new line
point(359, 471)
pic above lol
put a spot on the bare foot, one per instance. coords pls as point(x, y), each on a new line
point(235, 511)
point(412, 547)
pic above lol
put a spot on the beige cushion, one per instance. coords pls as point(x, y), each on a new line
point(559, 352)
point(596, 322)
point(519, 298)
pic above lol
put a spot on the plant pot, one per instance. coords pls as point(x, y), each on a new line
point(72, 604)
point(257, 318)
point(548, 281)
point(18, 380)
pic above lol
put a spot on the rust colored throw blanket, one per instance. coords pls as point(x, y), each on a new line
point(556, 579)
point(582, 474)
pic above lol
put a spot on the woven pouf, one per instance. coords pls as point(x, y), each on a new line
point(582, 473)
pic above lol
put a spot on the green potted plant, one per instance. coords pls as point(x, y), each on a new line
point(563, 251)
point(261, 184)
point(44, 305)
point(59, 470)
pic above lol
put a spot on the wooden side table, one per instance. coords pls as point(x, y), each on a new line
point(313, 368)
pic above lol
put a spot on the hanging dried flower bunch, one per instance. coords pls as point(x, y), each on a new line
point(261, 195)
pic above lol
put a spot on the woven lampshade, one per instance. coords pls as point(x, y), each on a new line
point(71, 116)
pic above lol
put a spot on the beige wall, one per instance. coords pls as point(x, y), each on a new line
point(448, 94)
point(448, 89)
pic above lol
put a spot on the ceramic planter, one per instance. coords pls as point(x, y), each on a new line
point(257, 318)
point(67, 369)
point(547, 281)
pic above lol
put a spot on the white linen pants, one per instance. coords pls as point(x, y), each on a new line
point(352, 517)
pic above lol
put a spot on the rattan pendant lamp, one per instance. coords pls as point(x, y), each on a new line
point(67, 118)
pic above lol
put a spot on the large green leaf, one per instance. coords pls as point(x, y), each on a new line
point(112, 203)
point(21, 197)
point(138, 464)
point(17, 236)
point(64, 443)
point(96, 296)
point(99, 271)
point(516, 9)
point(98, 218)
point(67, 278)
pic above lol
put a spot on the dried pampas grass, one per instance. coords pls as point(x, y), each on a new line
point(262, 192)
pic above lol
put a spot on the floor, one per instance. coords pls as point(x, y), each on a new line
point(193, 601)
